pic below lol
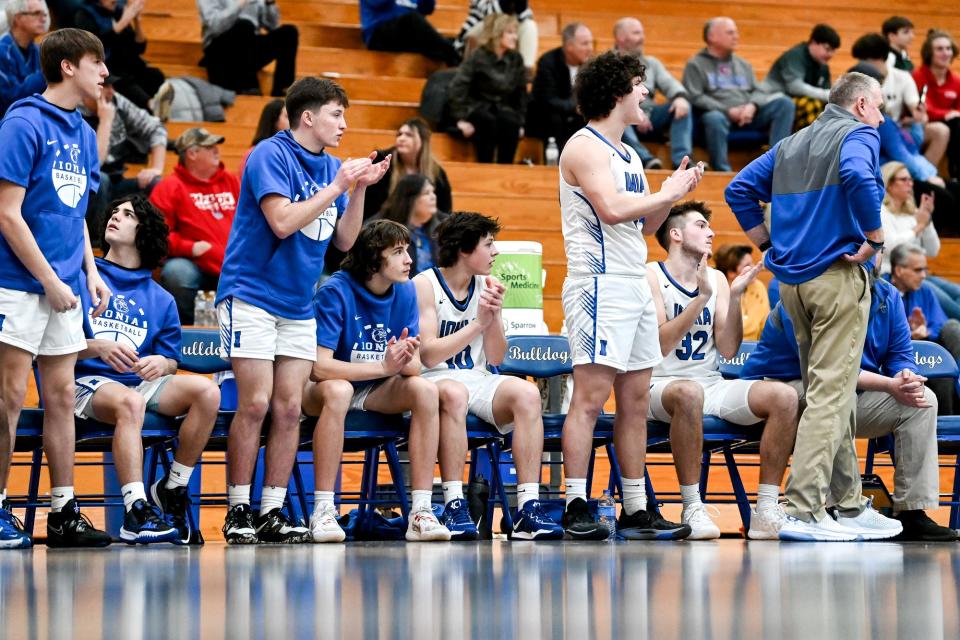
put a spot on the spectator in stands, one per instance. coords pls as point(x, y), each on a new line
point(898, 32)
point(803, 73)
point(273, 118)
point(553, 112)
point(129, 367)
point(118, 27)
point(64, 12)
point(413, 203)
point(527, 33)
point(943, 91)
point(906, 222)
point(675, 113)
point(368, 358)
point(240, 37)
point(724, 90)
point(20, 74)
point(198, 201)
point(732, 260)
point(891, 400)
point(192, 100)
point(488, 96)
point(401, 25)
point(908, 272)
point(125, 133)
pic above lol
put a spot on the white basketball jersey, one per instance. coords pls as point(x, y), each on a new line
point(453, 315)
point(695, 357)
point(593, 247)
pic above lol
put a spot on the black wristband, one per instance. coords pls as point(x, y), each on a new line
point(766, 245)
point(877, 246)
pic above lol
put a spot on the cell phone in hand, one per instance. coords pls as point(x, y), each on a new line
point(923, 95)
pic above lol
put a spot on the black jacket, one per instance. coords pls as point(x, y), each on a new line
point(483, 79)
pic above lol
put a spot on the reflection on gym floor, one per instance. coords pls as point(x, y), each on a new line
point(729, 589)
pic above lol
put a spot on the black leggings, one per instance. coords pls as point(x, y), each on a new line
point(235, 56)
point(411, 32)
point(497, 131)
point(953, 149)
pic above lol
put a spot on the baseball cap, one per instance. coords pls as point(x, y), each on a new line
point(196, 137)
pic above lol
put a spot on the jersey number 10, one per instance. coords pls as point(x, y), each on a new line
point(461, 361)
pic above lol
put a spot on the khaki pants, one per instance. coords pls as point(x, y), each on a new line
point(829, 315)
point(916, 480)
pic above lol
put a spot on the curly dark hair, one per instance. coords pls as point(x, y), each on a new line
point(400, 202)
point(675, 219)
point(603, 80)
point(152, 230)
point(267, 125)
point(363, 261)
point(462, 231)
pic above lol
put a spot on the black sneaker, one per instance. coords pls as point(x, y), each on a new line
point(70, 528)
point(580, 525)
point(175, 504)
point(274, 527)
point(648, 524)
point(238, 526)
point(918, 527)
point(144, 524)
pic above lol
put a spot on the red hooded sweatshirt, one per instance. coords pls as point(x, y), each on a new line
point(198, 210)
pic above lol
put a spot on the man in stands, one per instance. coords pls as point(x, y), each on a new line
point(20, 74)
point(724, 90)
point(198, 201)
point(891, 399)
point(674, 114)
point(401, 25)
point(699, 318)
point(368, 358)
point(553, 112)
point(803, 73)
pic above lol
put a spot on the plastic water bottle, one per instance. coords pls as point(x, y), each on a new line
point(212, 320)
point(551, 154)
point(200, 309)
point(607, 510)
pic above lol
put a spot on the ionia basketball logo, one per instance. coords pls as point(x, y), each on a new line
point(69, 176)
point(322, 228)
point(123, 321)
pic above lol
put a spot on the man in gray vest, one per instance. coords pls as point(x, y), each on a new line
point(824, 187)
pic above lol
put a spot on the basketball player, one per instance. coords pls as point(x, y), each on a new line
point(130, 366)
point(293, 202)
point(699, 316)
point(48, 168)
point(368, 359)
point(606, 207)
point(462, 332)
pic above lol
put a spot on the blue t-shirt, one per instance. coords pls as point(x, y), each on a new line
point(259, 268)
point(20, 74)
point(887, 349)
point(356, 323)
point(141, 315)
point(52, 153)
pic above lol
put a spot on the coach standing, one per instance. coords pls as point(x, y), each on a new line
point(824, 187)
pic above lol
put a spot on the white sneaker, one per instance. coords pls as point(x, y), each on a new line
point(827, 530)
point(765, 524)
point(423, 526)
point(701, 525)
point(324, 526)
point(871, 524)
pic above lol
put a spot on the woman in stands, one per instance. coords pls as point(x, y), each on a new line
point(488, 96)
point(413, 203)
point(273, 118)
point(129, 367)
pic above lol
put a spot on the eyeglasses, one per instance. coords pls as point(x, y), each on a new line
point(39, 13)
point(903, 179)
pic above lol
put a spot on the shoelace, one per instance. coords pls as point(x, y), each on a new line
point(82, 523)
point(705, 511)
point(460, 516)
point(14, 520)
point(539, 516)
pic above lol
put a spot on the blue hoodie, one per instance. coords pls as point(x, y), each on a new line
point(259, 268)
point(141, 315)
point(887, 349)
point(52, 153)
point(374, 12)
point(19, 76)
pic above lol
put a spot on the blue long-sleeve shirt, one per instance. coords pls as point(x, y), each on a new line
point(813, 225)
point(926, 300)
point(20, 74)
point(887, 349)
point(373, 12)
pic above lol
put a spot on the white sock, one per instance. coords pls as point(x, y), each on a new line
point(527, 491)
point(321, 498)
point(59, 497)
point(131, 492)
point(3, 496)
point(634, 495)
point(452, 490)
point(690, 494)
point(272, 498)
point(767, 496)
point(421, 499)
point(238, 494)
point(575, 488)
point(179, 475)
